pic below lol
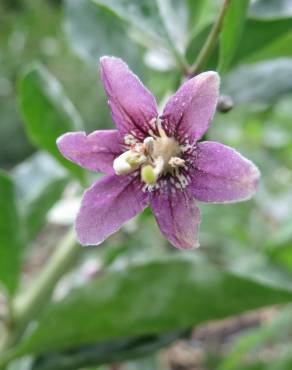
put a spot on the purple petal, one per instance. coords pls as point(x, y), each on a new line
point(133, 107)
point(190, 110)
point(108, 204)
point(222, 175)
point(178, 218)
point(95, 152)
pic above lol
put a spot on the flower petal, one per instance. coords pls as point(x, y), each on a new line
point(108, 204)
point(133, 107)
point(178, 218)
point(222, 175)
point(189, 111)
point(95, 152)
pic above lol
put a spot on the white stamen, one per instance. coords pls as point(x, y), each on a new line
point(149, 144)
point(175, 162)
point(130, 139)
point(128, 162)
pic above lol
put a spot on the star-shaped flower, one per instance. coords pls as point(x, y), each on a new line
point(156, 160)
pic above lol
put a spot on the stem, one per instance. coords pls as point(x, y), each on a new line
point(211, 39)
point(26, 307)
point(39, 293)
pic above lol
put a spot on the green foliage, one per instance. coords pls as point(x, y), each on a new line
point(231, 32)
point(10, 235)
point(247, 84)
point(48, 113)
point(94, 31)
point(108, 352)
point(153, 300)
point(40, 182)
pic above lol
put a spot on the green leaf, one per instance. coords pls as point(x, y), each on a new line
point(281, 47)
point(153, 297)
point(94, 31)
point(258, 34)
point(10, 235)
point(271, 9)
point(144, 16)
point(48, 113)
point(179, 19)
point(249, 84)
point(231, 32)
point(105, 353)
point(154, 23)
point(40, 182)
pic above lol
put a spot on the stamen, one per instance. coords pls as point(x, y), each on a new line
point(176, 162)
point(149, 144)
point(150, 174)
point(130, 139)
point(147, 175)
point(128, 162)
point(160, 129)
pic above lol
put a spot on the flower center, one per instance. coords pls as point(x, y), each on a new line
point(156, 156)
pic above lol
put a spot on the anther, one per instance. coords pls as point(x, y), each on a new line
point(149, 144)
point(150, 174)
point(176, 162)
point(128, 162)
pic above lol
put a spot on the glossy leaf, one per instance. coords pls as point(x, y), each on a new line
point(249, 84)
point(271, 9)
point(281, 47)
point(48, 113)
point(152, 297)
point(155, 24)
point(231, 32)
point(108, 352)
point(180, 19)
point(143, 15)
point(10, 235)
point(257, 36)
point(40, 182)
point(94, 31)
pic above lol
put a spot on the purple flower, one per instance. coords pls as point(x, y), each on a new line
point(156, 160)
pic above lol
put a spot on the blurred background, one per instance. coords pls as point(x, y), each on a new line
point(135, 302)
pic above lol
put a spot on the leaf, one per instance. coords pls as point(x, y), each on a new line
point(257, 37)
point(40, 182)
point(258, 34)
point(231, 32)
point(160, 24)
point(10, 235)
point(152, 297)
point(176, 20)
point(271, 9)
point(94, 31)
point(281, 47)
point(48, 113)
point(144, 16)
point(259, 83)
point(105, 353)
